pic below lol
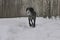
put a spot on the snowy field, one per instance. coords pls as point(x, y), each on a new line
point(18, 29)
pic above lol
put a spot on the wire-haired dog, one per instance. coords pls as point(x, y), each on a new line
point(31, 16)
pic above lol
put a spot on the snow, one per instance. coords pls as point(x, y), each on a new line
point(18, 29)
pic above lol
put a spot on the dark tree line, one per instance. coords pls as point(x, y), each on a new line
point(16, 8)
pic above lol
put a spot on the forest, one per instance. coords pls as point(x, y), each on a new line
point(17, 8)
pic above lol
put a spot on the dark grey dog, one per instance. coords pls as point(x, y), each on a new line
point(31, 16)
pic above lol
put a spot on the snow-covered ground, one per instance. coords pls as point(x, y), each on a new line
point(18, 29)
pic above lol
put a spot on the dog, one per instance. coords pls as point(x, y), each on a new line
point(31, 16)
